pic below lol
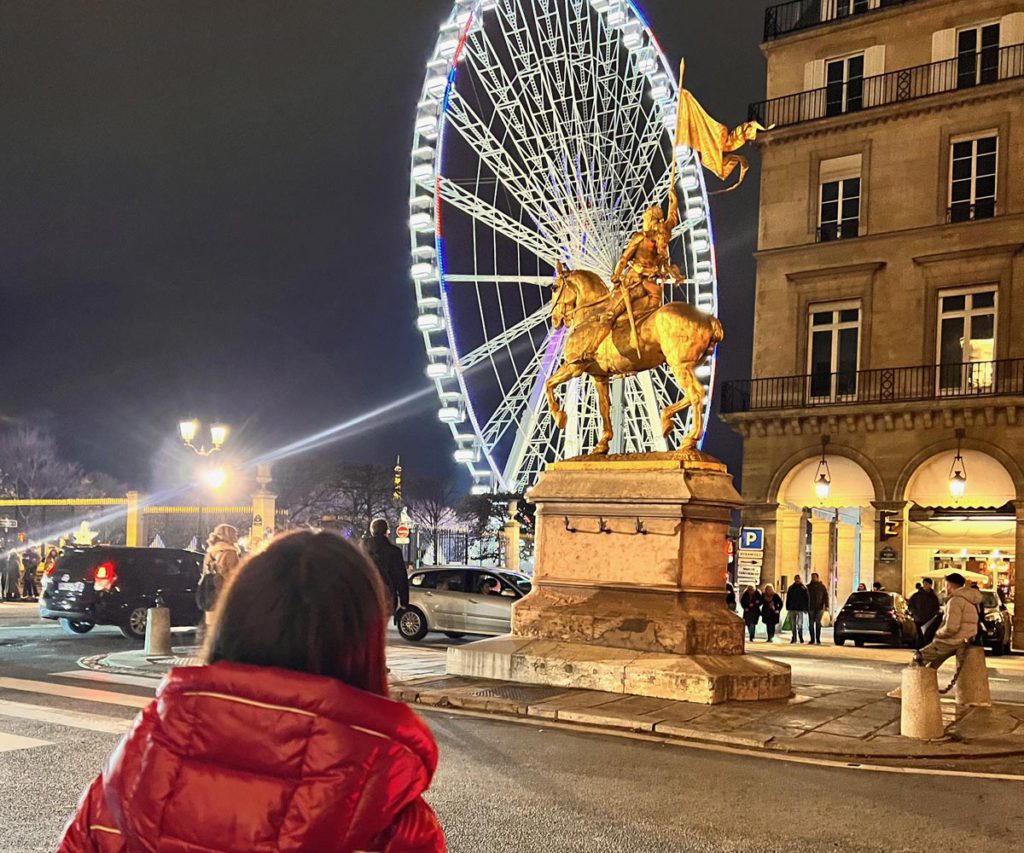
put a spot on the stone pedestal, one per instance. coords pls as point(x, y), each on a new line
point(629, 587)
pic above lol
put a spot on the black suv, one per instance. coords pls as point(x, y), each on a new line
point(107, 585)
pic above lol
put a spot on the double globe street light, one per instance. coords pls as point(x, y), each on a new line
point(214, 477)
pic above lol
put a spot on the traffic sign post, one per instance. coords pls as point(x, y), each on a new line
point(8, 523)
point(402, 534)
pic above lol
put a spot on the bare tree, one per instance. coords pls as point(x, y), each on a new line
point(31, 467)
point(432, 507)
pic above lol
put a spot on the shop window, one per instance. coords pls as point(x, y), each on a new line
point(972, 177)
point(844, 85)
point(833, 351)
point(977, 55)
point(967, 340)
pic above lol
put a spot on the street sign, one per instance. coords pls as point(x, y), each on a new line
point(752, 539)
point(402, 534)
point(8, 523)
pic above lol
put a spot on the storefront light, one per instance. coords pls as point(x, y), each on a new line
point(958, 471)
point(823, 477)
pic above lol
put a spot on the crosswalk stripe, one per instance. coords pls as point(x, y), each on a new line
point(9, 743)
point(109, 677)
point(89, 694)
point(72, 719)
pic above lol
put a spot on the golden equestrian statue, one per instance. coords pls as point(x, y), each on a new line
point(628, 329)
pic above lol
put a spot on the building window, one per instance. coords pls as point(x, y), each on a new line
point(839, 198)
point(833, 351)
point(844, 85)
point(977, 55)
point(972, 177)
point(967, 340)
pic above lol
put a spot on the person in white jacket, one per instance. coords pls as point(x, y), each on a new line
point(959, 623)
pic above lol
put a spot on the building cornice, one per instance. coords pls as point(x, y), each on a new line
point(818, 273)
point(943, 229)
point(880, 417)
point(1008, 250)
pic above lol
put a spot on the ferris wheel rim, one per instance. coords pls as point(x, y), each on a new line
point(447, 369)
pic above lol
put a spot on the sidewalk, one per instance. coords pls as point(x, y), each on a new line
point(818, 721)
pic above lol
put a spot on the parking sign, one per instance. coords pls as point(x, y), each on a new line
point(752, 539)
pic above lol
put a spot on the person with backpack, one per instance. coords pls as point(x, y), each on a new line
point(286, 739)
point(961, 623)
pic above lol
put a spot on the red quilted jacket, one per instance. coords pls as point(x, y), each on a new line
point(245, 758)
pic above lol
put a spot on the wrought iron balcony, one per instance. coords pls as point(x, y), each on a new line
point(799, 15)
point(906, 84)
point(965, 211)
point(830, 231)
point(881, 385)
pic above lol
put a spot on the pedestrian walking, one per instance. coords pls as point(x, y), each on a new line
point(287, 739)
point(817, 604)
point(925, 608)
point(730, 597)
point(11, 577)
point(961, 623)
point(30, 564)
point(797, 604)
point(390, 563)
point(771, 607)
point(750, 603)
point(219, 565)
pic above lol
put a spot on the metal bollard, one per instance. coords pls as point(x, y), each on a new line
point(158, 631)
point(920, 712)
point(972, 689)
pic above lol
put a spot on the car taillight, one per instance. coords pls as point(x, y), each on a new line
point(104, 577)
point(50, 570)
point(890, 614)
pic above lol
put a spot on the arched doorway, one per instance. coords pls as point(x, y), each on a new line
point(831, 535)
point(974, 534)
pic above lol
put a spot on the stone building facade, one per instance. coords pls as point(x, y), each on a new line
point(889, 315)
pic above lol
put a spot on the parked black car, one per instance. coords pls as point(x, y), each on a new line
point(876, 617)
point(108, 585)
point(996, 624)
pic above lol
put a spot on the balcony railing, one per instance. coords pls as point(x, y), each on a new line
point(965, 211)
point(907, 84)
point(799, 15)
point(830, 231)
point(881, 385)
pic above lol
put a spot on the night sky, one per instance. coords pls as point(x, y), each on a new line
point(203, 209)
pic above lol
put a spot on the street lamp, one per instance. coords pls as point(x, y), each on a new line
point(822, 477)
point(215, 478)
point(958, 471)
point(189, 429)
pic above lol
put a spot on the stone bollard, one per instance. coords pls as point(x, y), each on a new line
point(920, 712)
point(972, 685)
point(158, 632)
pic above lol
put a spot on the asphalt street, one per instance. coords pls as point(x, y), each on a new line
point(512, 787)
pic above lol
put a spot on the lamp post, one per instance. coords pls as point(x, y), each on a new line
point(958, 471)
point(189, 429)
point(822, 476)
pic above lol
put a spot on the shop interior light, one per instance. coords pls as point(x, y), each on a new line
point(822, 477)
point(958, 471)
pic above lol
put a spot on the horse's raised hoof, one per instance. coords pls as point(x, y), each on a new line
point(561, 419)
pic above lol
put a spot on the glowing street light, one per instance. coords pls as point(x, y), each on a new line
point(189, 429)
point(823, 477)
point(958, 471)
point(215, 478)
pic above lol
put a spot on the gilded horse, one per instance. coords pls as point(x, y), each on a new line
point(676, 334)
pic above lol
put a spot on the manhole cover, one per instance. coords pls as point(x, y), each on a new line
point(502, 693)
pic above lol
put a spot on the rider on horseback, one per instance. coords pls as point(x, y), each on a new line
point(641, 271)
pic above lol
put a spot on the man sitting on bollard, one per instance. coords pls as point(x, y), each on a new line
point(960, 623)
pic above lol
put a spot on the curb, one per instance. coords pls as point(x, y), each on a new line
point(591, 720)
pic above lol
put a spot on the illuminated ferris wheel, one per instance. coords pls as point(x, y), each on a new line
point(544, 129)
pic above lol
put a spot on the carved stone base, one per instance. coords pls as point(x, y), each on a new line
point(629, 588)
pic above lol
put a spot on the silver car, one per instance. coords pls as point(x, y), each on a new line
point(457, 600)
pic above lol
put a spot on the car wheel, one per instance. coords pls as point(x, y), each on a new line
point(412, 624)
point(859, 643)
point(840, 641)
point(454, 635)
point(134, 626)
point(72, 627)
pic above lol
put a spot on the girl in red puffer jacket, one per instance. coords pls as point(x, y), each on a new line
point(287, 740)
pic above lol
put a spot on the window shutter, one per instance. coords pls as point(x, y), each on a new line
point(814, 74)
point(1011, 29)
point(943, 45)
point(812, 102)
point(874, 65)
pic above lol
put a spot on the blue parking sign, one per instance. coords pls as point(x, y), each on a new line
point(752, 539)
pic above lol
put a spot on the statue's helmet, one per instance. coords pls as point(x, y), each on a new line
point(653, 217)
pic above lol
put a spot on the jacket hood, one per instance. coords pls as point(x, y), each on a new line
point(969, 593)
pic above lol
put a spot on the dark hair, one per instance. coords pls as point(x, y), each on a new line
point(928, 581)
point(379, 527)
point(956, 579)
point(309, 602)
